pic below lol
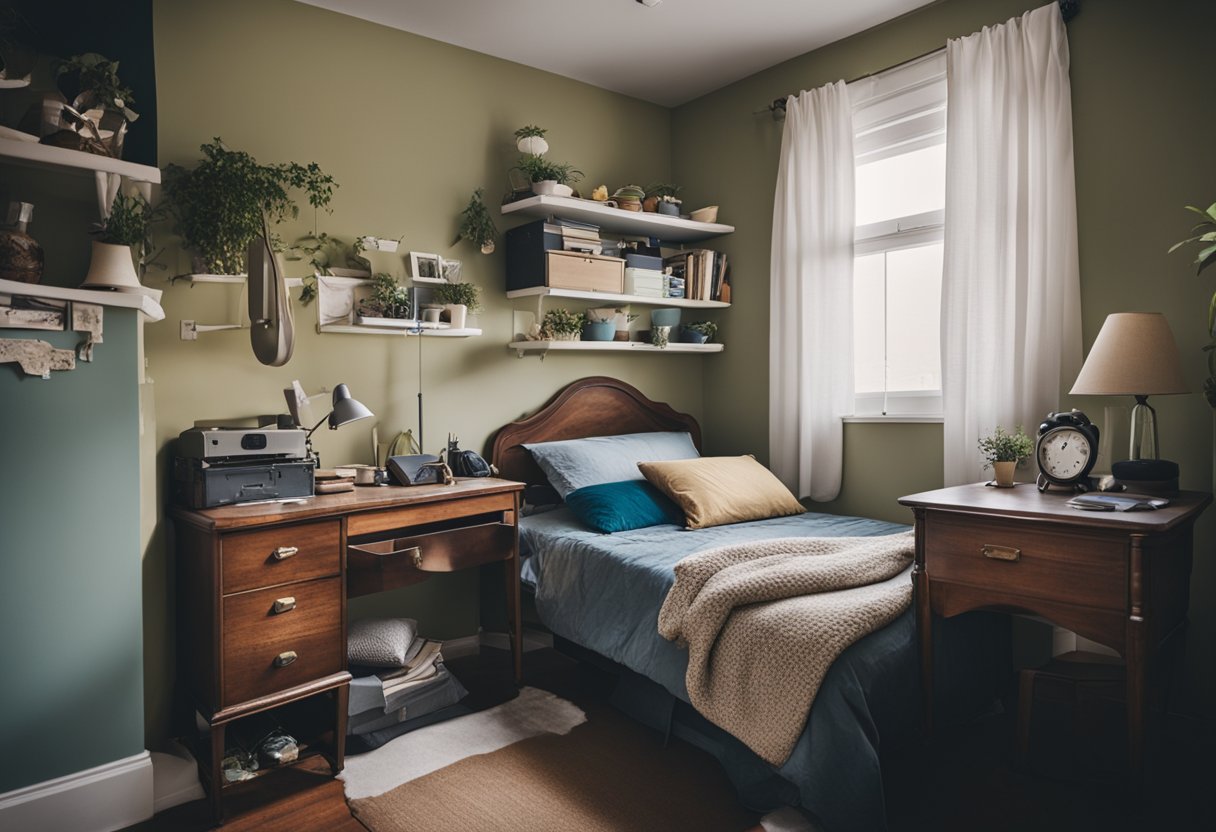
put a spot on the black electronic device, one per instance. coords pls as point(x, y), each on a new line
point(1066, 450)
point(199, 484)
point(419, 469)
point(1155, 476)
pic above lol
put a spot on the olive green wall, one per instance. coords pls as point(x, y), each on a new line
point(408, 127)
point(1143, 125)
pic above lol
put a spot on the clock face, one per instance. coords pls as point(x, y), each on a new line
point(1064, 453)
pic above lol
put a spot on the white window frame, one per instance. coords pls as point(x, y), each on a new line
point(897, 112)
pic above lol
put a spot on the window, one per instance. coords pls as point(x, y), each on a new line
point(899, 122)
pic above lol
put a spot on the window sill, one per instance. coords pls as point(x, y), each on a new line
point(895, 418)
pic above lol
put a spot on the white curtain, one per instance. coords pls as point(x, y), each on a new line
point(811, 297)
point(1011, 298)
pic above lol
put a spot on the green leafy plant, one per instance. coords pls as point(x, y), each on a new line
point(561, 322)
point(466, 293)
point(662, 191)
point(540, 169)
point(707, 328)
point(1002, 446)
point(530, 130)
point(629, 192)
point(389, 299)
point(98, 75)
point(128, 223)
point(1204, 233)
point(476, 224)
point(218, 204)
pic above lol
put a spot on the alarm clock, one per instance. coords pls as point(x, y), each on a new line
point(1066, 450)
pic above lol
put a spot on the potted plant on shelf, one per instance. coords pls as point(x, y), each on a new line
point(549, 177)
point(698, 332)
point(218, 204)
point(561, 325)
point(1204, 233)
point(458, 299)
point(659, 195)
point(1003, 451)
point(476, 224)
point(629, 197)
point(122, 234)
point(387, 305)
point(530, 139)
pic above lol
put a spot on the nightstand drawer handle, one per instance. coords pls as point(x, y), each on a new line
point(285, 658)
point(415, 554)
point(284, 552)
point(1002, 553)
point(282, 605)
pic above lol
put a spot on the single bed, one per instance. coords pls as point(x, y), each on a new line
point(602, 592)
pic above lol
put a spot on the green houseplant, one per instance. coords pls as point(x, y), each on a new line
point(699, 332)
point(1204, 233)
point(125, 230)
point(660, 194)
point(561, 325)
point(219, 203)
point(458, 299)
point(476, 224)
point(100, 96)
point(389, 299)
point(1003, 451)
point(530, 139)
point(548, 177)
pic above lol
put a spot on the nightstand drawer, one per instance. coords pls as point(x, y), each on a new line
point(282, 637)
point(278, 555)
point(1023, 558)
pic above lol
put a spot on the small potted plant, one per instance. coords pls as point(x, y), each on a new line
point(530, 139)
point(660, 194)
point(698, 332)
point(476, 224)
point(388, 302)
point(561, 325)
point(218, 204)
point(549, 177)
point(123, 233)
point(1003, 451)
point(629, 197)
point(458, 299)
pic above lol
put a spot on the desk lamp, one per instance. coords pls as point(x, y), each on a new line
point(346, 409)
point(1135, 355)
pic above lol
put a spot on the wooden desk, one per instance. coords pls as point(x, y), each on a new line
point(262, 589)
point(1121, 579)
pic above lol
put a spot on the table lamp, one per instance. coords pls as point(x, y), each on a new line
point(1135, 355)
point(346, 409)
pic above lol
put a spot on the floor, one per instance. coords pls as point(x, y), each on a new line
point(966, 780)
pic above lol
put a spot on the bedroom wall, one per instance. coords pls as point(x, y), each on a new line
point(1143, 123)
point(409, 127)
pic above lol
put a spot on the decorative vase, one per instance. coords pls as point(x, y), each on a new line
point(670, 209)
point(457, 314)
point(599, 330)
point(660, 335)
point(691, 336)
point(21, 256)
point(1003, 473)
point(112, 267)
point(533, 145)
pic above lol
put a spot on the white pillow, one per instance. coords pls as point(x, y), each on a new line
point(380, 642)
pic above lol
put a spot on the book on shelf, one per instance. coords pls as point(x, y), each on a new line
point(565, 222)
point(702, 270)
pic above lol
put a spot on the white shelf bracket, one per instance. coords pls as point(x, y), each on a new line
point(191, 329)
point(107, 188)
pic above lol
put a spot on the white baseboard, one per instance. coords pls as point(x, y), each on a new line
point(101, 799)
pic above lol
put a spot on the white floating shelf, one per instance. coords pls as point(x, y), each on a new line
point(542, 347)
point(32, 154)
point(605, 297)
point(292, 282)
point(354, 329)
point(616, 220)
point(128, 300)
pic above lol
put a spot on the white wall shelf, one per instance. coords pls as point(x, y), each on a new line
point(151, 310)
point(523, 348)
point(608, 298)
point(614, 220)
point(358, 329)
point(193, 279)
point(107, 173)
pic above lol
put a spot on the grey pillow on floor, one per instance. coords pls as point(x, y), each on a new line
point(380, 642)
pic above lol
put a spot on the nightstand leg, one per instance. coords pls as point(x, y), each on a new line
point(217, 773)
point(342, 699)
point(514, 618)
point(1137, 698)
point(924, 625)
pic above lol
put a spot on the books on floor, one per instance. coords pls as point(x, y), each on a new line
point(384, 699)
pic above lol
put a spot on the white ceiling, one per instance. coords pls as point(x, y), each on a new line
point(668, 54)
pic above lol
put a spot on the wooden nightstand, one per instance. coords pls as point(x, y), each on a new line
point(262, 592)
point(1120, 579)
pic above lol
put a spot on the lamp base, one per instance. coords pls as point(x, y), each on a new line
point(1152, 476)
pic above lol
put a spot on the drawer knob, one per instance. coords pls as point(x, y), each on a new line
point(282, 605)
point(1005, 553)
point(285, 658)
point(284, 552)
point(416, 555)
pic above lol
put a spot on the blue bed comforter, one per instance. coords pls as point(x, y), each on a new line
point(603, 592)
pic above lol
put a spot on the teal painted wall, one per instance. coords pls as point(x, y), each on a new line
point(70, 587)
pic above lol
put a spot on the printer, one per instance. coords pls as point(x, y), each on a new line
point(224, 466)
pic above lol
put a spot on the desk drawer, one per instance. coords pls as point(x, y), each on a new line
point(384, 564)
point(258, 640)
point(1027, 559)
point(278, 555)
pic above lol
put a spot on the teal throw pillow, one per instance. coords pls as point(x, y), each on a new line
point(620, 506)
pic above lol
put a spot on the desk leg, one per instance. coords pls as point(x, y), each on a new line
point(514, 617)
point(342, 701)
point(924, 626)
point(1137, 665)
point(217, 772)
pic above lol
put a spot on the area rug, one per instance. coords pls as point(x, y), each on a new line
point(607, 774)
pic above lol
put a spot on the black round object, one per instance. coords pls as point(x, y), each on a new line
point(1066, 449)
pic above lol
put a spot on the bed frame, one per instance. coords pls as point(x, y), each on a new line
point(595, 406)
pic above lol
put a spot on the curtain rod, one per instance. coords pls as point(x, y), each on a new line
point(1068, 10)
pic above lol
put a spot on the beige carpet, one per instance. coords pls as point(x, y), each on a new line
point(609, 774)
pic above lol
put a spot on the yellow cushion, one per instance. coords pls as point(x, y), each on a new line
point(716, 490)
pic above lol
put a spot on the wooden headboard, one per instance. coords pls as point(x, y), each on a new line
point(595, 406)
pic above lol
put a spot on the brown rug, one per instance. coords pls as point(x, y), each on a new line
point(609, 774)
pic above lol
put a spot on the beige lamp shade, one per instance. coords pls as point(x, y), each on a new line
point(1134, 355)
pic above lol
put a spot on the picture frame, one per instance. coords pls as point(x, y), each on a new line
point(449, 270)
point(425, 267)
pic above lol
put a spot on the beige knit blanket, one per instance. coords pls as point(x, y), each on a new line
point(763, 621)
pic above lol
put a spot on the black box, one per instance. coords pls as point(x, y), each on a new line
point(526, 261)
point(199, 485)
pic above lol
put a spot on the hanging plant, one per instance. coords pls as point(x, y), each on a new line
point(476, 224)
point(1204, 233)
point(530, 139)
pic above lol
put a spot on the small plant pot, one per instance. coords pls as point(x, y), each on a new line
point(112, 267)
point(691, 336)
point(457, 314)
point(1003, 473)
point(551, 187)
point(627, 204)
point(666, 316)
point(487, 248)
point(660, 335)
point(534, 145)
point(599, 330)
point(670, 209)
point(564, 336)
point(650, 204)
